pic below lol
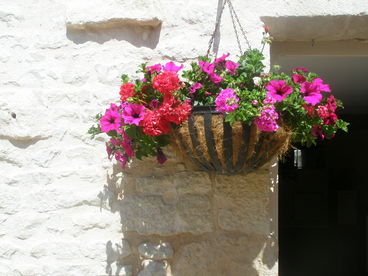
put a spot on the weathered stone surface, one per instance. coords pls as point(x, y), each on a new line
point(52, 85)
point(242, 202)
point(153, 185)
point(149, 215)
point(192, 182)
point(223, 255)
point(153, 268)
point(156, 251)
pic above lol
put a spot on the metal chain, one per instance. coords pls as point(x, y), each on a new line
point(231, 7)
point(218, 22)
point(216, 28)
point(236, 31)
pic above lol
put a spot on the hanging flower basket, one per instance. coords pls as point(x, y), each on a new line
point(223, 116)
point(211, 144)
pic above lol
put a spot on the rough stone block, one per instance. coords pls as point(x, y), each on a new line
point(149, 215)
point(153, 268)
point(156, 251)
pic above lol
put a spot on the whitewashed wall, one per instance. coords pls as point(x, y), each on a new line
point(60, 63)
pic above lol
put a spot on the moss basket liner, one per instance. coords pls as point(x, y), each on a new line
point(210, 144)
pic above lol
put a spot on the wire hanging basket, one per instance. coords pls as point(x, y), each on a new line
point(211, 144)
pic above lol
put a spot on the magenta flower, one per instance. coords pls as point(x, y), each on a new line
point(108, 150)
point(143, 80)
point(110, 121)
point(278, 90)
point(298, 78)
point(170, 66)
point(311, 93)
point(268, 119)
point(161, 158)
point(227, 101)
point(331, 103)
point(154, 103)
point(322, 87)
point(269, 101)
point(215, 78)
point(206, 67)
point(195, 87)
point(222, 58)
point(126, 144)
point(122, 158)
point(114, 107)
point(254, 102)
point(317, 132)
point(133, 114)
point(231, 67)
point(301, 69)
point(154, 68)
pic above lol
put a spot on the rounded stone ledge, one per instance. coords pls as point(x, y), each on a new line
point(156, 251)
point(153, 268)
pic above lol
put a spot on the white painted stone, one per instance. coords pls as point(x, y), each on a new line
point(51, 220)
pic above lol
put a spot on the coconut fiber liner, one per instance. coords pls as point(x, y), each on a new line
point(206, 142)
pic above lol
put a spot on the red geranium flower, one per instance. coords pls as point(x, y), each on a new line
point(166, 82)
point(174, 110)
point(126, 91)
point(154, 123)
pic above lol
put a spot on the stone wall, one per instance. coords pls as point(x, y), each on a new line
point(63, 208)
point(186, 222)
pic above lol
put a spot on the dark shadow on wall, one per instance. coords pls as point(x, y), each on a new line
point(137, 33)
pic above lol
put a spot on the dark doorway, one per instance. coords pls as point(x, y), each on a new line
point(323, 206)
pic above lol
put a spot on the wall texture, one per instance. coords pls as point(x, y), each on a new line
point(64, 209)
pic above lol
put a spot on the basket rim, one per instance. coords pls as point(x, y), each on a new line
point(201, 109)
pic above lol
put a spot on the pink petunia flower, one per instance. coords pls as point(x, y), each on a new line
point(122, 158)
point(227, 101)
point(298, 78)
point(110, 121)
point(317, 132)
point(322, 87)
point(154, 68)
point(206, 67)
point(301, 69)
point(222, 58)
point(215, 78)
point(278, 90)
point(231, 67)
point(108, 150)
point(170, 66)
point(312, 91)
point(195, 87)
point(133, 114)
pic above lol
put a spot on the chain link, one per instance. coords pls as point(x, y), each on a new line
point(240, 25)
point(235, 30)
point(234, 17)
point(217, 25)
